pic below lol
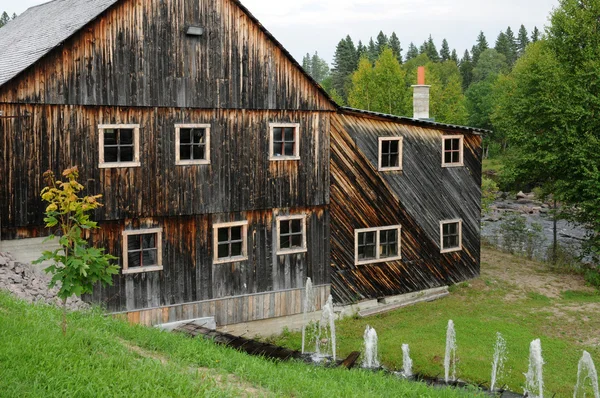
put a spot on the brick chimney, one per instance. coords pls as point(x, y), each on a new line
point(421, 96)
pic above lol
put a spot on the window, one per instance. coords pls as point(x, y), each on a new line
point(453, 151)
point(451, 236)
point(284, 141)
point(390, 153)
point(119, 145)
point(192, 144)
point(142, 250)
point(230, 242)
point(375, 245)
point(291, 234)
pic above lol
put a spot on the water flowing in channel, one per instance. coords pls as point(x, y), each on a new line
point(370, 359)
point(534, 382)
point(308, 328)
point(406, 361)
point(499, 358)
point(450, 357)
point(587, 377)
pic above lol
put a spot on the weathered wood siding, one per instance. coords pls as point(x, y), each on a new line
point(137, 54)
point(240, 176)
point(417, 198)
point(189, 274)
point(232, 310)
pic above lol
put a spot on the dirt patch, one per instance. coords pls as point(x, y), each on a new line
point(226, 381)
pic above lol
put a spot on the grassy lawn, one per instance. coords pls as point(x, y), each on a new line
point(103, 357)
point(521, 299)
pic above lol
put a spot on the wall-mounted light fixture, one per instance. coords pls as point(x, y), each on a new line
point(194, 31)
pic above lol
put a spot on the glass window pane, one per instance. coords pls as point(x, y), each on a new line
point(148, 241)
point(150, 257)
point(370, 237)
point(370, 251)
point(198, 136)
point(133, 242)
point(284, 227)
point(448, 157)
point(236, 249)
point(393, 249)
point(185, 136)
point(393, 161)
point(277, 134)
point(110, 137)
point(455, 157)
point(126, 154)
point(236, 233)
point(445, 242)
point(455, 144)
point(277, 148)
point(284, 241)
point(111, 154)
point(452, 228)
point(126, 136)
point(289, 133)
point(223, 250)
point(296, 226)
point(185, 152)
point(296, 240)
point(134, 260)
point(289, 149)
point(394, 146)
point(453, 241)
point(383, 251)
point(223, 234)
point(385, 147)
point(198, 152)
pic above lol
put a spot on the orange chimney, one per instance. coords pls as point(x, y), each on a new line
point(421, 76)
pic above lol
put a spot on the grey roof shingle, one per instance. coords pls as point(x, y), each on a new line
point(38, 30)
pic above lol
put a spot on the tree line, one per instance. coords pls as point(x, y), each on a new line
point(5, 18)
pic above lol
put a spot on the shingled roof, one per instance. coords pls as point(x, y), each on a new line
point(38, 30)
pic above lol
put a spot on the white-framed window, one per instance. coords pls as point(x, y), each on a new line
point(119, 145)
point(377, 245)
point(284, 141)
point(142, 250)
point(452, 151)
point(390, 153)
point(230, 242)
point(291, 234)
point(192, 144)
point(450, 236)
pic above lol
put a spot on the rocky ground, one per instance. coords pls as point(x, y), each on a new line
point(30, 284)
point(534, 212)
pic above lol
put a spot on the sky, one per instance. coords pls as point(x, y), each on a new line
point(306, 26)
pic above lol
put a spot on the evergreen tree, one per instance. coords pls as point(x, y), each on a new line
point(4, 19)
point(319, 69)
point(394, 44)
point(466, 70)
point(491, 63)
point(479, 47)
point(513, 49)
point(382, 43)
point(372, 52)
point(535, 35)
point(431, 50)
point(445, 51)
point(344, 64)
point(14, 15)
point(522, 41)
point(413, 52)
point(454, 56)
point(360, 50)
point(502, 45)
point(307, 64)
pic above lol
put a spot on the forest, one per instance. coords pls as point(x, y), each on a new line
point(537, 92)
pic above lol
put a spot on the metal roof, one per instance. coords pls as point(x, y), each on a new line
point(26, 39)
point(429, 123)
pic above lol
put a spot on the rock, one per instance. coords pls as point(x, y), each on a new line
point(3, 261)
point(521, 195)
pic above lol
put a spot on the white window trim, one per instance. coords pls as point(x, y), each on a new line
point(244, 256)
point(453, 249)
point(377, 243)
point(296, 156)
point(136, 146)
point(461, 153)
point(302, 249)
point(400, 148)
point(126, 234)
point(178, 160)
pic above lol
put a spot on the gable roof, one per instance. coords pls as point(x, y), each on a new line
point(40, 29)
point(408, 120)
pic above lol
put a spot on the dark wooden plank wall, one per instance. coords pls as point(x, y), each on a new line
point(239, 178)
point(189, 274)
point(362, 197)
point(137, 54)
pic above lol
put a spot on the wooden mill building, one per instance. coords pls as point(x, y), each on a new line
point(228, 175)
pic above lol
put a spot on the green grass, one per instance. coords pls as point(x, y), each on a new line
point(105, 357)
point(479, 310)
point(494, 164)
